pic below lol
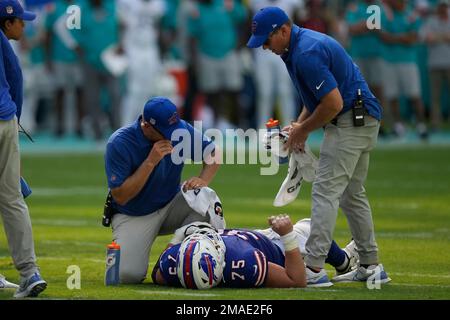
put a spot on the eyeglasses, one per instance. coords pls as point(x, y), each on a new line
point(267, 42)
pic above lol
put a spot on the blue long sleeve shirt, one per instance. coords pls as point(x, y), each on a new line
point(11, 81)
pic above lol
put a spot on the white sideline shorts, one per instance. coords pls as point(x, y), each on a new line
point(401, 79)
point(67, 75)
point(219, 74)
point(371, 69)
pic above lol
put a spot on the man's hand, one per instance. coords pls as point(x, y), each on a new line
point(160, 150)
point(181, 233)
point(297, 138)
point(287, 129)
point(281, 224)
point(79, 51)
point(194, 183)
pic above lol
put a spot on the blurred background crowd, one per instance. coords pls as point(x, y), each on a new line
point(87, 77)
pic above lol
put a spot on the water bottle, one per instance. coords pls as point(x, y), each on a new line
point(274, 125)
point(112, 264)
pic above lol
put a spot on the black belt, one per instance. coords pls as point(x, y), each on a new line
point(335, 119)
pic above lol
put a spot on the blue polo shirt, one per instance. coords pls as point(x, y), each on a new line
point(127, 149)
point(318, 64)
point(11, 81)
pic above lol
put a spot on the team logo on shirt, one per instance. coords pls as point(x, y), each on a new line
point(254, 26)
point(218, 209)
point(9, 10)
point(173, 119)
point(320, 85)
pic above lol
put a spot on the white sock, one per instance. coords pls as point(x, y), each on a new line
point(344, 265)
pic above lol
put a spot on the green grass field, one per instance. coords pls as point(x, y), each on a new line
point(409, 190)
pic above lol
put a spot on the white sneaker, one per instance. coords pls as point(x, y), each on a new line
point(353, 257)
point(5, 284)
point(317, 279)
point(422, 131)
point(361, 274)
point(399, 129)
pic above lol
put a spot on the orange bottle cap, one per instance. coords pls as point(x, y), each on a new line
point(113, 245)
point(272, 123)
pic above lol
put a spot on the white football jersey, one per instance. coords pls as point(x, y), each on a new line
point(140, 18)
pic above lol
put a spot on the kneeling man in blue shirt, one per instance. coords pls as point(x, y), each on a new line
point(145, 180)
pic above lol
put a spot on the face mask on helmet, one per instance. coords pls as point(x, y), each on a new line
point(201, 261)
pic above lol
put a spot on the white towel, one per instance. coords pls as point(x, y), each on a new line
point(307, 163)
point(302, 166)
point(205, 201)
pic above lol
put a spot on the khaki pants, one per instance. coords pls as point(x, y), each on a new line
point(13, 209)
point(342, 171)
point(136, 235)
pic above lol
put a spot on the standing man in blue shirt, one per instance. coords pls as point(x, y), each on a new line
point(330, 86)
point(13, 209)
point(144, 181)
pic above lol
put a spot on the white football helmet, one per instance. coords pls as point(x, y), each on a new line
point(201, 260)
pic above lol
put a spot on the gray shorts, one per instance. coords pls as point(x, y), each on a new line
point(219, 74)
point(401, 79)
point(371, 69)
point(136, 234)
point(67, 75)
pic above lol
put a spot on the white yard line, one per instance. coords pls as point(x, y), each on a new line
point(77, 243)
point(62, 222)
point(70, 258)
point(406, 235)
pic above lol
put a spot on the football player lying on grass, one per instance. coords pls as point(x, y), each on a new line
point(199, 257)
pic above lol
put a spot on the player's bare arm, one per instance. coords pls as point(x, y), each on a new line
point(358, 28)
point(134, 183)
point(407, 38)
point(293, 274)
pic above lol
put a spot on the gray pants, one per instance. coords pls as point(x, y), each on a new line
point(94, 80)
point(136, 235)
point(342, 171)
point(13, 209)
